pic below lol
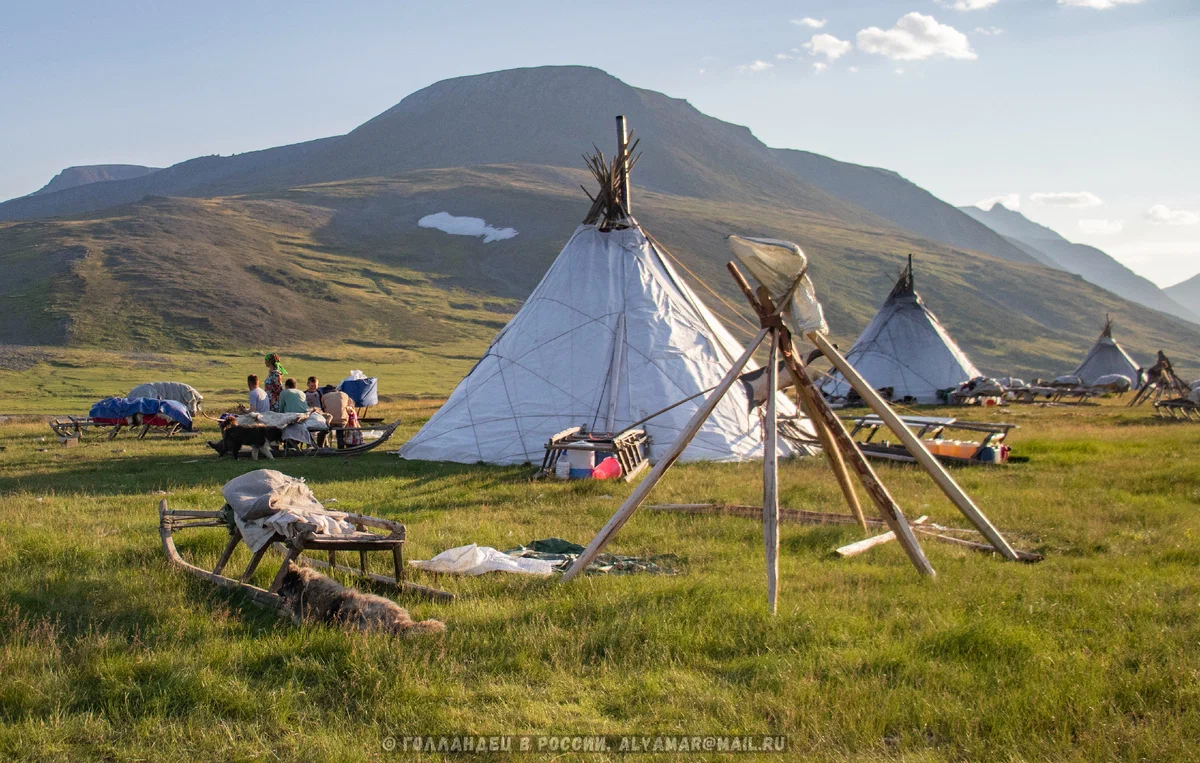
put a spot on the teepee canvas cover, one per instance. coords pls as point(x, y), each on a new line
point(609, 336)
point(1108, 357)
point(906, 348)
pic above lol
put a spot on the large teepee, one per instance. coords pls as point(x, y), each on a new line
point(610, 335)
point(1107, 357)
point(907, 349)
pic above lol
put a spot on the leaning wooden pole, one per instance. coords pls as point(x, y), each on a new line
point(914, 446)
point(639, 494)
point(771, 479)
point(889, 510)
point(832, 452)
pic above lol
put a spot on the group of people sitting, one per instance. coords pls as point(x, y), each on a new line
point(282, 396)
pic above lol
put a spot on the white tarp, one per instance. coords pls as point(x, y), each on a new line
point(477, 560)
point(610, 335)
point(177, 391)
point(906, 348)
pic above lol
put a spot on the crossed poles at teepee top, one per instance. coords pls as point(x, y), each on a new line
point(836, 442)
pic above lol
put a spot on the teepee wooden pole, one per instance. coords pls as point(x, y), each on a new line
point(914, 446)
point(771, 479)
point(832, 452)
point(623, 150)
point(639, 494)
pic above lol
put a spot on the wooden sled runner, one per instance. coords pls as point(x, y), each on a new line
point(355, 450)
point(78, 426)
point(363, 541)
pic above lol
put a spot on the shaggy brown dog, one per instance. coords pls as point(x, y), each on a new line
point(312, 596)
point(257, 438)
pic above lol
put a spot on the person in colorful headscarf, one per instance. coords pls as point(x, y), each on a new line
point(274, 382)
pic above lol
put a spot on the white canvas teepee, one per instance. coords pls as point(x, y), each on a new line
point(906, 348)
point(610, 335)
point(1108, 357)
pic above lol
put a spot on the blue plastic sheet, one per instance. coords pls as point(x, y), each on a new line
point(364, 392)
point(124, 407)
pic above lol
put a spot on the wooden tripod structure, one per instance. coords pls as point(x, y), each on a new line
point(836, 442)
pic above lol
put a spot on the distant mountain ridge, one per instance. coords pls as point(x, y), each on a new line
point(889, 195)
point(1187, 293)
point(1093, 264)
point(541, 116)
point(73, 177)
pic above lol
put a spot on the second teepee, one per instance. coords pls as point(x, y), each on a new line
point(1107, 357)
point(906, 348)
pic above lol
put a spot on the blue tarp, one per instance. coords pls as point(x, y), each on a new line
point(364, 392)
point(124, 407)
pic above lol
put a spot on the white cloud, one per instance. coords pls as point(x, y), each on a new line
point(1010, 200)
point(757, 66)
point(900, 71)
point(783, 57)
point(916, 37)
point(968, 5)
point(1077, 199)
point(853, 69)
point(827, 45)
point(703, 70)
point(989, 31)
point(820, 66)
point(465, 226)
point(1099, 5)
point(811, 23)
point(1101, 227)
point(1161, 214)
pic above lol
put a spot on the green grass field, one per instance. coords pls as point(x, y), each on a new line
point(1094, 654)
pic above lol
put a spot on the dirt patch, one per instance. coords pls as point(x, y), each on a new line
point(15, 358)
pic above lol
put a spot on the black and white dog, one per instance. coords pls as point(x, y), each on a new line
point(258, 438)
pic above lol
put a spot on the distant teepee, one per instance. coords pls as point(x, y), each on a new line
point(1108, 357)
point(609, 337)
point(906, 348)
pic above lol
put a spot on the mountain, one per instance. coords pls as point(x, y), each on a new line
point(890, 196)
point(92, 173)
point(1093, 264)
point(1187, 293)
point(543, 116)
point(326, 242)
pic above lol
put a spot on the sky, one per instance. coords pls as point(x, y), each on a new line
point(1084, 114)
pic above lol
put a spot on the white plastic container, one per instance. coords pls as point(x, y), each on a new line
point(582, 463)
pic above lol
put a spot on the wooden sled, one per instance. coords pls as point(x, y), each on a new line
point(363, 541)
point(353, 450)
point(628, 447)
point(1179, 409)
point(78, 426)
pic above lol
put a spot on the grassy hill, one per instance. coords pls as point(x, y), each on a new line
point(346, 262)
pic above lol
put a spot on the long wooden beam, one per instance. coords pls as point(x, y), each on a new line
point(771, 479)
point(639, 494)
point(914, 446)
